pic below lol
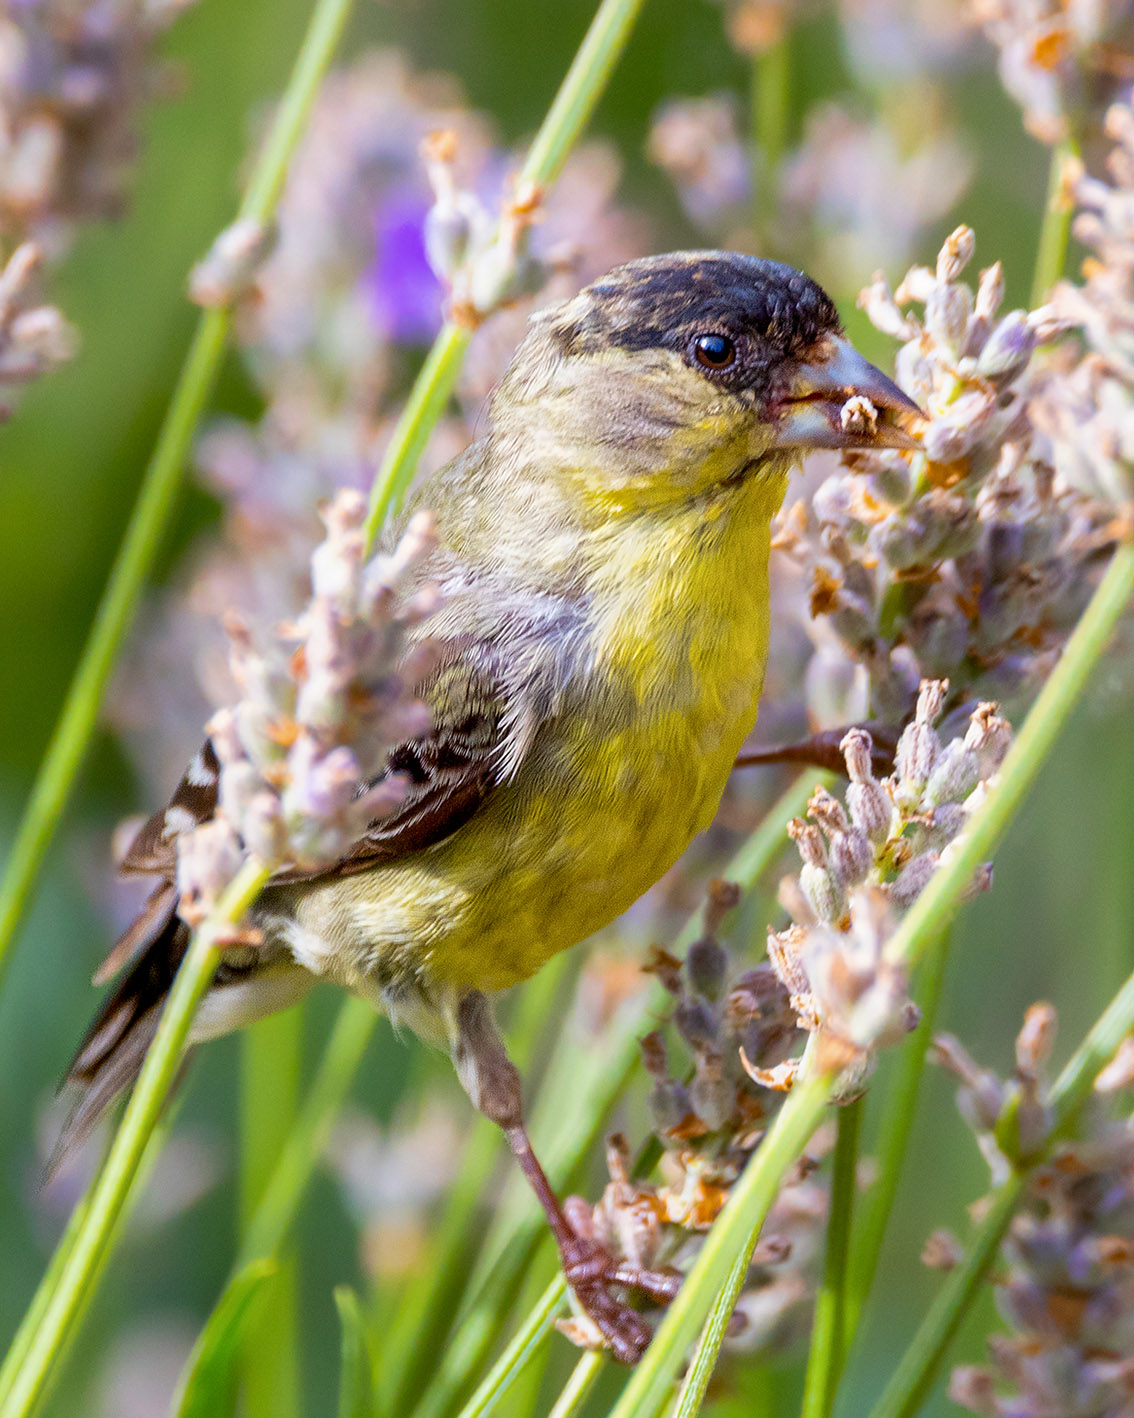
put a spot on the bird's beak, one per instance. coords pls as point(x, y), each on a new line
point(815, 412)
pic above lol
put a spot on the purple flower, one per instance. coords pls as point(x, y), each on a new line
point(403, 294)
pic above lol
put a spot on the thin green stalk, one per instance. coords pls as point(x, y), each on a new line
point(829, 1331)
point(582, 86)
point(910, 1382)
point(899, 1109)
point(33, 1316)
point(271, 1061)
point(568, 115)
point(75, 726)
point(941, 899)
point(425, 405)
point(110, 1195)
point(1074, 1084)
point(729, 1242)
point(525, 1344)
point(1051, 253)
point(693, 1387)
point(919, 1365)
point(49, 1284)
point(771, 107)
point(574, 1392)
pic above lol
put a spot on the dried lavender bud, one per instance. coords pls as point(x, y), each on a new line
point(823, 892)
point(956, 254)
point(989, 736)
point(826, 810)
point(712, 1093)
point(851, 858)
point(721, 898)
point(654, 1055)
point(706, 965)
point(947, 312)
point(1035, 1040)
point(944, 822)
point(229, 269)
point(1008, 348)
point(942, 1251)
point(670, 1105)
point(955, 775)
point(990, 293)
point(981, 1097)
point(696, 1023)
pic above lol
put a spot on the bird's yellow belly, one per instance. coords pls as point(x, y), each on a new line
point(618, 783)
point(552, 858)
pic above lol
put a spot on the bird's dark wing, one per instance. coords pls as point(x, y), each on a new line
point(473, 744)
point(450, 772)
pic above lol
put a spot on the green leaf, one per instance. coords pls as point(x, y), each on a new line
point(208, 1380)
point(356, 1379)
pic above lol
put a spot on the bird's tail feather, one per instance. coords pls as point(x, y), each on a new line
point(110, 1056)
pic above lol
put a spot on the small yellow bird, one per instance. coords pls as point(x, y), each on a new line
point(603, 557)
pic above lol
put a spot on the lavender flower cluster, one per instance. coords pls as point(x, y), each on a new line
point(865, 862)
point(319, 711)
point(1062, 63)
point(971, 561)
point(828, 977)
point(709, 1116)
point(1088, 411)
point(73, 78)
point(1067, 1288)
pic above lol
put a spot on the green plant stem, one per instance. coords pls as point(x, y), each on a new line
point(771, 107)
point(691, 1395)
point(525, 1344)
point(829, 1331)
point(110, 1195)
point(941, 899)
point(915, 1373)
point(570, 110)
point(21, 1342)
point(271, 1061)
point(425, 405)
point(574, 1392)
point(75, 726)
point(910, 1382)
point(33, 1316)
point(900, 1110)
point(1051, 253)
point(728, 1244)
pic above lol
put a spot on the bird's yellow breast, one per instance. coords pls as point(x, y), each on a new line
point(629, 768)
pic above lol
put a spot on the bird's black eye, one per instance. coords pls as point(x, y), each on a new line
point(714, 351)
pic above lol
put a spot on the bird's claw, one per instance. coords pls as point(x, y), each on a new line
point(593, 1275)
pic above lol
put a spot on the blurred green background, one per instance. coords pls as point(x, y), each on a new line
point(1056, 926)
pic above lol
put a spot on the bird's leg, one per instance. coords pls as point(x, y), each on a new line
point(492, 1082)
point(822, 751)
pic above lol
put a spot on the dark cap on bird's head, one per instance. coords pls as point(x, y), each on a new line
point(666, 302)
point(757, 330)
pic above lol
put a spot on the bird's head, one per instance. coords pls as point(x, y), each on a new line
point(680, 372)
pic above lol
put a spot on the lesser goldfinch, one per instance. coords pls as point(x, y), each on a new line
point(603, 557)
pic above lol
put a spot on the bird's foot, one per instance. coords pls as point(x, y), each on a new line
point(596, 1278)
